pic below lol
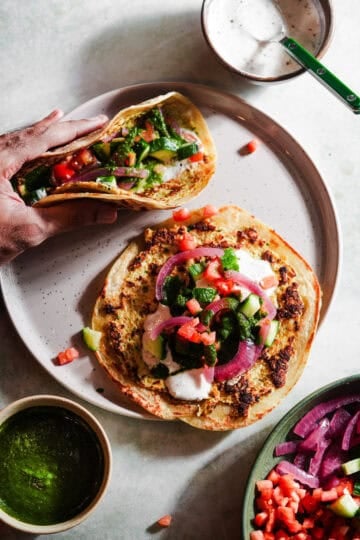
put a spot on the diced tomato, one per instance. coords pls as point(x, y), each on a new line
point(208, 339)
point(318, 533)
point(269, 527)
point(269, 536)
point(257, 535)
point(286, 516)
point(268, 282)
point(130, 159)
point(81, 159)
point(251, 146)
point(261, 485)
point(193, 306)
point(210, 210)
point(67, 356)
point(188, 332)
point(329, 495)
point(149, 133)
point(281, 535)
point(224, 286)
point(344, 484)
point(62, 172)
point(165, 521)
point(309, 503)
point(181, 214)
point(260, 519)
point(273, 476)
point(212, 272)
point(199, 156)
point(308, 523)
point(187, 242)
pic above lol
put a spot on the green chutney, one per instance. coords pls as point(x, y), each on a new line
point(51, 465)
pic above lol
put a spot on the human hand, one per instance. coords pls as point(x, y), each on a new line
point(22, 226)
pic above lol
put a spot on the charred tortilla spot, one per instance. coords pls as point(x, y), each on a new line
point(203, 226)
point(291, 304)
point(268, 256)
point(283, 271)
point(249, 234)
point(278, 365)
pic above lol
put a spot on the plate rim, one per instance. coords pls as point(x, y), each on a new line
point(302, 406)
point(233, 99)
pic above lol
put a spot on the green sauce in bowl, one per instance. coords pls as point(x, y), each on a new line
point(51, 465)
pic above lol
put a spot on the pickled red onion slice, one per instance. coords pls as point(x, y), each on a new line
point(244, 359)
point(253, 287)
point(169, 323)
point(179, 258)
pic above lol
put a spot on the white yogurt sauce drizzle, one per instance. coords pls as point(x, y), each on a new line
point(235, 26)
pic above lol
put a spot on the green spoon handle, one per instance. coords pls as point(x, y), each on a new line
point(328, 79)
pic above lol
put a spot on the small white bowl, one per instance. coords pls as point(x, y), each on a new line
point(97, 430)
point(220, 37)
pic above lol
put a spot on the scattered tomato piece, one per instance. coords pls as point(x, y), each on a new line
point(251, 146)
point(212, 272)
point(181, 214)
point(187, 242)
point(164, 521)
point(193, 306)
point(67, 356)
point(63, 172)
point(210, 210)
point(199, 156)
point(130, 159)
point(268, 282)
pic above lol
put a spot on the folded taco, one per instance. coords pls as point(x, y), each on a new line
point(156, 154)
point(208, 320)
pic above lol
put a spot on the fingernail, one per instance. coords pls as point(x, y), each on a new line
point(99, 118)
point(106, 214)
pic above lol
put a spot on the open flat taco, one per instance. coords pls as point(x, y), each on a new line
point(208, 320)
point(156, 154)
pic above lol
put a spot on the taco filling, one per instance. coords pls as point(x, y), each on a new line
point(215, 316)
point(207, 319)
point(138, 153)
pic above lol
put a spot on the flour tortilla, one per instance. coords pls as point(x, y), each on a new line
point(128, 294)
point(170, 194)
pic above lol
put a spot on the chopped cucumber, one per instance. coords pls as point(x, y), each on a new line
point(108, 181)
point(187, 150)
point(351, 467)
point(142, 149)
point(91, 338)
point(34, 196)
point(156, 347)
point(102, 150)
point(273, 330)
point(251, 305)
point(345, 506)
point(163, 149)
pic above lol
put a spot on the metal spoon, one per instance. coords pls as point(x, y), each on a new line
point(303, 57)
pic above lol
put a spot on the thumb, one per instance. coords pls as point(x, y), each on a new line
point(73, 214)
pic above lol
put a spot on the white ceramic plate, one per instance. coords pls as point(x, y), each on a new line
point(49, 291)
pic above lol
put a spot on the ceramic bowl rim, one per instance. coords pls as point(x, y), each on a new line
point(58, 401)
point(327, 8)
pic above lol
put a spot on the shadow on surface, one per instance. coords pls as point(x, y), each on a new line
point(131, 53)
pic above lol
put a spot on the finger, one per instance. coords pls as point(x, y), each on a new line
point(73, 214)
point(65, 132)
point(21, 146)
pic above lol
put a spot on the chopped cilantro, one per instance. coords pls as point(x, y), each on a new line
point(171, 290)
point(206, 316)
point(210, 354)
point(204, 295)
point(229, 260)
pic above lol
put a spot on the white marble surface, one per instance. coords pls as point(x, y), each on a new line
point(59, 53)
